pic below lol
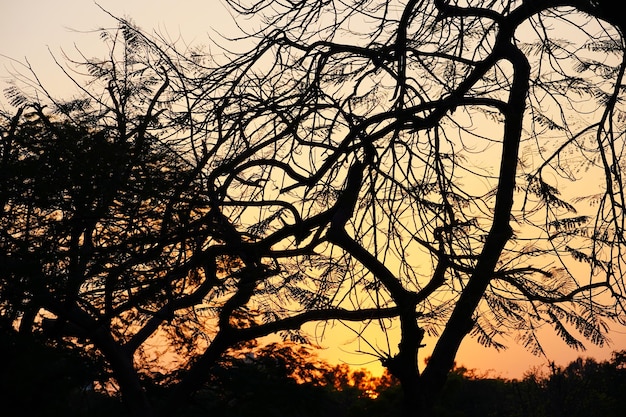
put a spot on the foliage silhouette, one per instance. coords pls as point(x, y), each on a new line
point(584, 387)
point(40, 380)
point(278, 380)
point(110, 237)
point(418, 171)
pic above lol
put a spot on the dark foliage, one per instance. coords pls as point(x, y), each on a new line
point(248, 385)
point(584, 388)
point(48, 381)
point(282, 380)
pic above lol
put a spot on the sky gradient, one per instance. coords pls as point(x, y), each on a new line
point(34, 29)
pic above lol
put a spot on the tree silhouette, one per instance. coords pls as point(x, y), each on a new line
point(112, 240)
point(434, 151)
point(441, 168)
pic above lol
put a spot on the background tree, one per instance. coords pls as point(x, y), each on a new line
point(438, 167)
point(41, 380)
point(97, 212)
point(288, 379)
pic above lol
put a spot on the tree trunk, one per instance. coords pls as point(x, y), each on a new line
point(461, 320)
point(121, 363)
point(197, 375)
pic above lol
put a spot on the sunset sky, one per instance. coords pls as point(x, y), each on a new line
point(33, 29)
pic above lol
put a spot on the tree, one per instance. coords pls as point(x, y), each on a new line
point(451, 169)
point(287, 379)
point(455, 133)
point(584, 387)
point(112, 239)
point(96, 216)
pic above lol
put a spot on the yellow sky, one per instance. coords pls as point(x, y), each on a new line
point(32, 29)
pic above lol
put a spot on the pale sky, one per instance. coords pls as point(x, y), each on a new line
point(32, 29)
point(28, 28)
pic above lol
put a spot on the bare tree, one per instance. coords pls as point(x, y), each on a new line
point(458, 162)
point(444, 168)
